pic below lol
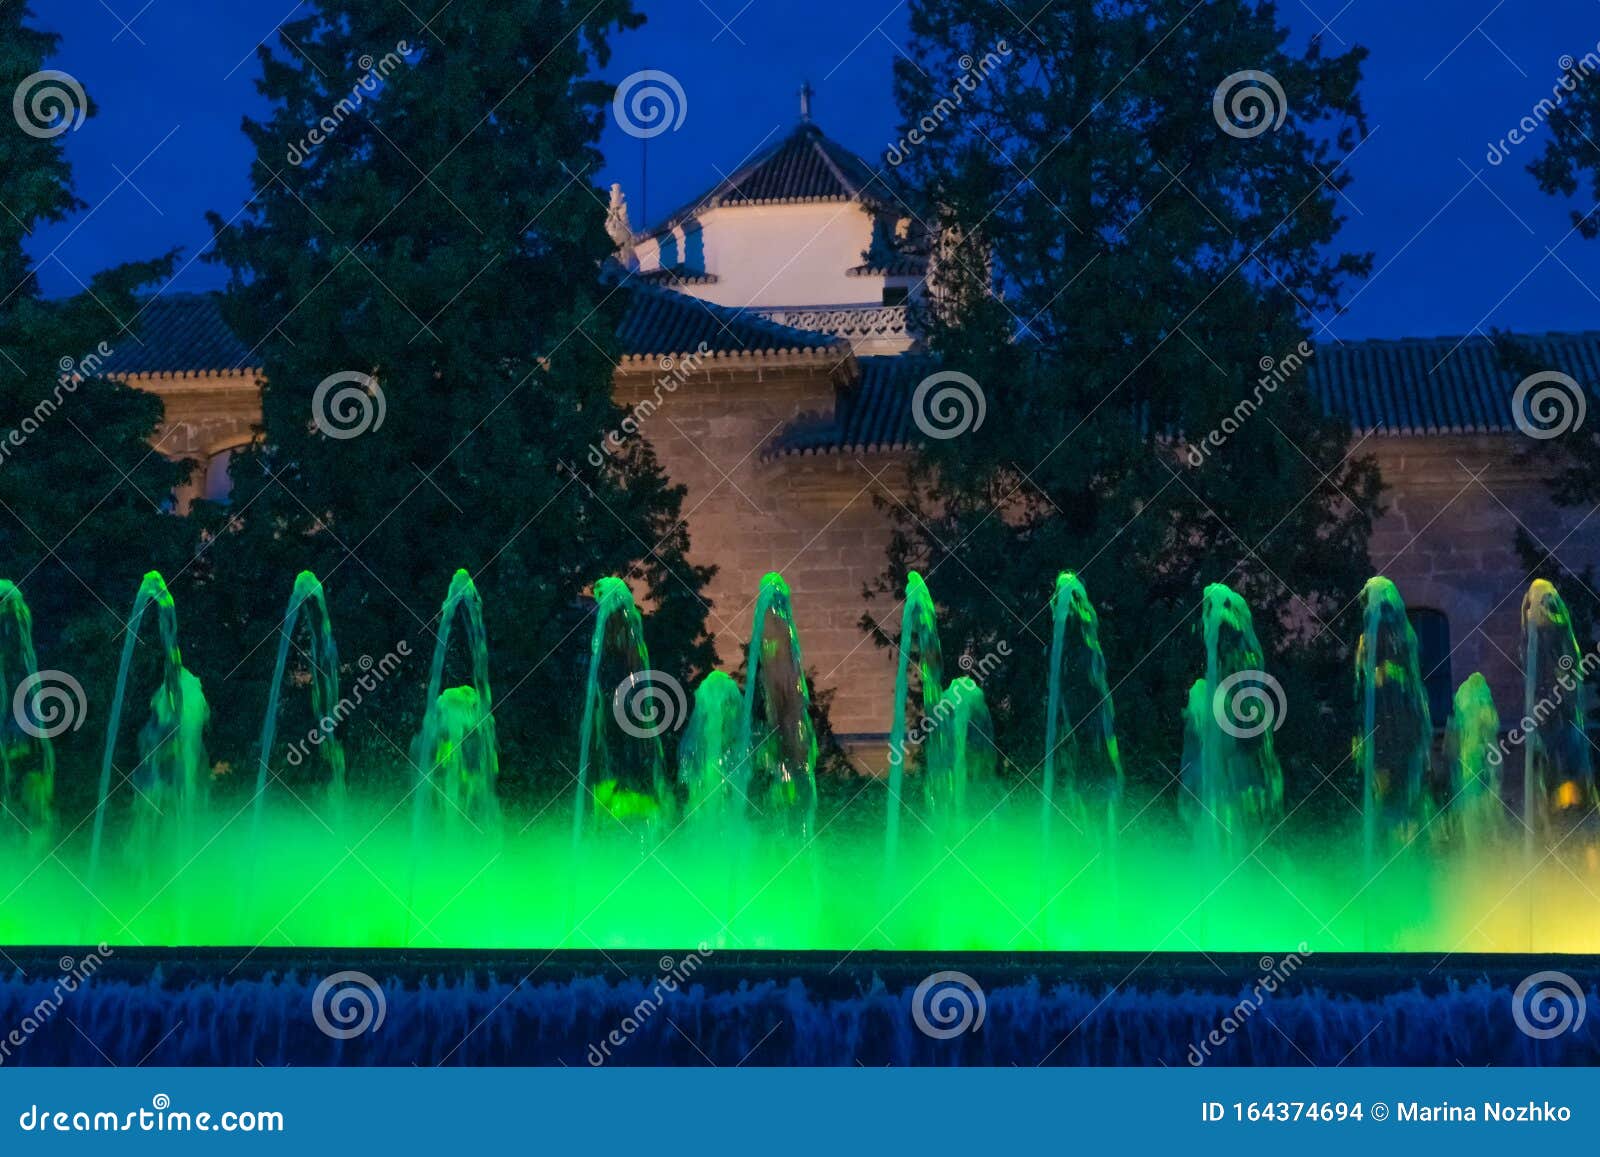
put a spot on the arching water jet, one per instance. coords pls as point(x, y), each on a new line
point(627, 706)
point(170, 743)
point(1082, 763)
point(919, 635)
point(34, 710)
point(1396, 730)
point(778, 773)
point(306, 604)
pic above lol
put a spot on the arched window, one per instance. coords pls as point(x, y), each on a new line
point(216, 484)
point(1433, 658)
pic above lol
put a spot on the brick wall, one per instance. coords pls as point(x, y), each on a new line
point(1447, 537)
point(1448, 540)
point(810, 518)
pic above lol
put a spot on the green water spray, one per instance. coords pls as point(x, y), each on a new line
point(778, 772)
point(626, 709)
point(307, 604)
point(1393, 746)
point(27, 754)
point(1558, 772)
point(1474, 760)
point(919, 635)
point(172, 736)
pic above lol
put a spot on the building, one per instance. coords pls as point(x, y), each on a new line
point(770, 361)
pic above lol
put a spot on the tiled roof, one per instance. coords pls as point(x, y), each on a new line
point(1441, 385)
point(872, 414)
point(180, 333)
point(804, 166)
point(662, 321)
point(1408, 386)
point(184, 333)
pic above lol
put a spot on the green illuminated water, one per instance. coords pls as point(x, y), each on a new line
point(27, 755)
point(724, 838)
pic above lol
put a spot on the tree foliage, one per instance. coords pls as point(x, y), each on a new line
point(1122, 277)
point(83, 494)
point(440, 234)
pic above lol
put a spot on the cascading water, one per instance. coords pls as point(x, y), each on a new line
point(172, 766)
point(1080, 724)
point(966, 757)
point(307, 604)
point(456, 756)
point(919, 635)
point(750, 753)
point(33, 711)
point(1558, 774)
point(1230, 767)
point(1393, 747)
point(711, 749)
point(626, 709)
point(778, 772)
point(1474, 760)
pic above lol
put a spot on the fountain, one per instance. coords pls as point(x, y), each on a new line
point(1080, 723)
point(712, 748)
point(1473, 759)
point(627, 706)
point(1558, 776)
point(1392, 749)
point(778, 771)
point(307, 604)
point(35, 710)
point(961, 755)
point(171, 759)
point(919, 635)
point(757, 868)
point(455, 754)
point(1230, 768)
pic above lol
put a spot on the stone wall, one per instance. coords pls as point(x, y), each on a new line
point(1448, 540)
point(813, 519)
point(206, 416)
point(1447, 537)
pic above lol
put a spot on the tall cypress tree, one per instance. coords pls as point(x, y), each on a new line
point(420, 273)
point(1566, 420)
point(82, 492)
point(1135, 205)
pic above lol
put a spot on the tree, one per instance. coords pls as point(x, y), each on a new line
point(420, 272)
point(82, 492)
point(1568, 167)
point(1130, 249)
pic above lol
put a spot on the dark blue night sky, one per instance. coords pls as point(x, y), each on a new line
point(1460, 244)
